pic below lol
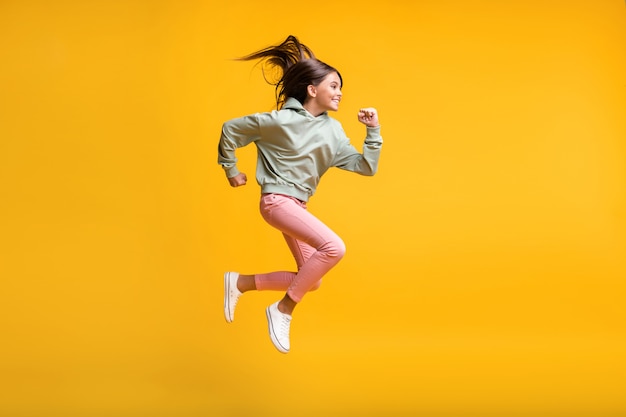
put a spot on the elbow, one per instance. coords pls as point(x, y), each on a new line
point(370, 172)
point(373, 169)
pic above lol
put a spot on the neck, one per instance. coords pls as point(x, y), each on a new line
point(312, 108)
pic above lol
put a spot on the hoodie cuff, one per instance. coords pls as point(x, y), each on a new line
point(231, 171)
point(373, 135)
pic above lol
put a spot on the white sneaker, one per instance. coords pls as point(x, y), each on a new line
point(231, 295)
point(279, 327)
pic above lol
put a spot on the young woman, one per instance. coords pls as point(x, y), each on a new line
point(296, 145)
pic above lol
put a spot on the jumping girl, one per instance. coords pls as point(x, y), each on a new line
point(296, 145)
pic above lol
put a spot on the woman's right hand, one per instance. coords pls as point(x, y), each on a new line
point(238, 180)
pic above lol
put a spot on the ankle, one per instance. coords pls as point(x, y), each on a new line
point(286, 305)
point(246, 283)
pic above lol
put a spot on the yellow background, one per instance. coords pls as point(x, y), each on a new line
point(485, 272)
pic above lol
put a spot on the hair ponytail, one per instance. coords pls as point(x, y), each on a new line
point(295, 67)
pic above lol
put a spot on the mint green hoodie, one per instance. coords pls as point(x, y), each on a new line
point(295, 149)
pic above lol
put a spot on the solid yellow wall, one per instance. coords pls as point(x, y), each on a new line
point(485, 266)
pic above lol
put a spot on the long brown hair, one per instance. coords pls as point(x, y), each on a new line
point(295, 67)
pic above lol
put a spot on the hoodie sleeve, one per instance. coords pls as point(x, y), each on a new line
point(366, 163)
point(236, 133)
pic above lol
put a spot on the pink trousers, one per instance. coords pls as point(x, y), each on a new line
point(314, 246)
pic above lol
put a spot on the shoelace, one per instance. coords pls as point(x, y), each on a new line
point(285, 322)
point(235, 297)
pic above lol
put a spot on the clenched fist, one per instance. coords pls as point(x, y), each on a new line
point(369, 117)
point(238, 180)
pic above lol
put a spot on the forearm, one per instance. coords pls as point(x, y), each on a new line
point(236, 133)
point(365, 162)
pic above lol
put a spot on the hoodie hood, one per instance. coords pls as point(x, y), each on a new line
point(294, 104)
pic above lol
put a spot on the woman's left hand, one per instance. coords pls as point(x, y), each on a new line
point(369, 117)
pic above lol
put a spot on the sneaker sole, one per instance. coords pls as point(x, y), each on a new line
point(275, 341)
point(226, 293)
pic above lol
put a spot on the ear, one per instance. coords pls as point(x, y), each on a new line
point(311, 90)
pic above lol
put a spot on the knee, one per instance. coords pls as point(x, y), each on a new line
point(336, 249)
point(342, 249)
